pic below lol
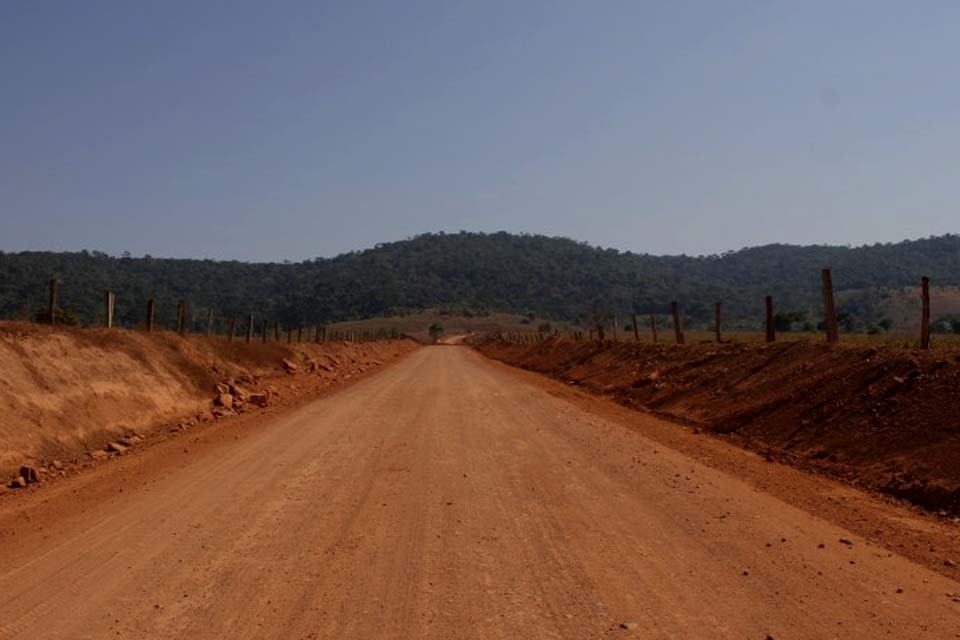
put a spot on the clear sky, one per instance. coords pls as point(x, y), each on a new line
point(292, 129)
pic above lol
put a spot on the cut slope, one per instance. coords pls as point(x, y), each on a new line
point(63, 392)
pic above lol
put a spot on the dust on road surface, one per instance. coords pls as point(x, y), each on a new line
point(445, 497)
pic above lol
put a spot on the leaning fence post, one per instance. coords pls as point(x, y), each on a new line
point(653, 326)
point(249, 328)
point(636, 330)
point(771, 333)
point(677, 326)
point(108, 298)
point(181, 320)
point(716, 321)
point(151, 313)
point(829, 312)
point(925, 313)
point(52, 309)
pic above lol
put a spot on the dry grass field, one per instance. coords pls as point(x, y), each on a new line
point(417, 325)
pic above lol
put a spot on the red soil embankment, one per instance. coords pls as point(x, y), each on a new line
point(883, 417)
point(66, 393)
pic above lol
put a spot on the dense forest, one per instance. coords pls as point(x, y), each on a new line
point(475, 273)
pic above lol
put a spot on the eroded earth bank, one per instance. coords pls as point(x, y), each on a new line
point(69, 398)
point(886, 418)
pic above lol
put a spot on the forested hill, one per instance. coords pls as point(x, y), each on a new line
point(550, 277)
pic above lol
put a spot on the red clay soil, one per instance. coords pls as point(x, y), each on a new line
point(67, 394)
point(884, 418)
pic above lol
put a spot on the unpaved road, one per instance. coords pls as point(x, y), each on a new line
point(444, 497)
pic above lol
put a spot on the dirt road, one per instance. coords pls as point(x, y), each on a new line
point(444, 497)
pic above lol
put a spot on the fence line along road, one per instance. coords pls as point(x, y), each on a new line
point(598, 331)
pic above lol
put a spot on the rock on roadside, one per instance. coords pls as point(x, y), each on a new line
point(224, 400)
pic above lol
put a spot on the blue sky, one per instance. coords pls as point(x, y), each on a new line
point(294, 129)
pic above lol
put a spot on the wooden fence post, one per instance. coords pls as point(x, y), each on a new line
point(249, 328)
point(771, 332)
point(316, 337)
point(209, 321)
point(653, 326)
point(181, 317)
point(233, 326)
point(716, 321)
point(52, 308)
point(151, 313)
point(636, 329)
point(616, 322)
point(263, 331)
point(289, 334)
point(600, 333)
point(108, 299)
point(276, 330)
point(300, 333)
point(829, 311)
point(677, 325)
point(925, 313)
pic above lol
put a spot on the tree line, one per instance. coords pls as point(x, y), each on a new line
point(469, 273)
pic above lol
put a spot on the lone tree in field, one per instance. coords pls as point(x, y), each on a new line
point(436, 330)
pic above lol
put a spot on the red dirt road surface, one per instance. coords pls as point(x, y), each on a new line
point(446, 496)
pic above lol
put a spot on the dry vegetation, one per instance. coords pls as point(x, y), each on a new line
point(896, 338)
point(417, 325)
point(903, 306)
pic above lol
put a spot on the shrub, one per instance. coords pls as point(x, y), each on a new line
point(61, 316)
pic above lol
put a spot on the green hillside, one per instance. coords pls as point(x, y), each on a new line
point(550, 277)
